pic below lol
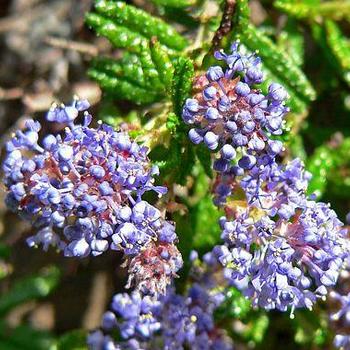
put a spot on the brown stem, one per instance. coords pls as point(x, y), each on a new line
point(225, 24)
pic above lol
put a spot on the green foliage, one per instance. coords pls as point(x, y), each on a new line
point(340, 48)
point(241, 17)
point(24, 337)
point(174, 3)
point(279, 67)
point(235, 306)
point(204, 156)
point(120, 79)
point(182, 83)
point(312, 10)
point(291, 41)
point(205, 218)
point(139, 21)
point(311, 330)
point(330, 164)
point(73, 340)
point(144, 74)
point(319, 165)
point(30, 288)
point(162, 63)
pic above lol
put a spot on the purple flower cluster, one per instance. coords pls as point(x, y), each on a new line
point(171, 322)
point(83, 191)
point(228, 110)
point(280, 247)
point(342, 318)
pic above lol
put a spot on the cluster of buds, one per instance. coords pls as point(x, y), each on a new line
point(228, 111)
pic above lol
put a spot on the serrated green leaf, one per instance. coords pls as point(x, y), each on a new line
point(119, 36)
point(162, 63)
point(30, 288)
point(73, 340)
point(279, 64)
point(121, 88)
point(131, 71)
point(141, 22)
point(182, 83)
point(149, 69)
point(340, 47)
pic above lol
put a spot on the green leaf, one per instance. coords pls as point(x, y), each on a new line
point(205, 216)
point(340, 48)
point(182, 83)
point(73, 340)
point(162, 63)
point(185, 165)
point(204, 156)
point(280, 66)
point(122, 89)
point(172, 122)
point(312, 10)
point(30, 288)
point(119, 36)
point(291, 41)
point(150, 71)
point(174, 3)
point(329, 164)
point(241, 16)
point(141, 22)
point(319, 164)
point(129, 69)
point(24, 337)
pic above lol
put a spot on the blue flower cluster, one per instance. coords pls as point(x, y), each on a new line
point(342, 317)
point(281, 248)
point(228, 110)
point(283, 261)
point(83, 191)
point(171, 322)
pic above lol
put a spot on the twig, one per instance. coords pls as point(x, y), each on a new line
point(72, 45)
point(11, 94)
point(225, 24)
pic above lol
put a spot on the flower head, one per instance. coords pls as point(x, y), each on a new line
point(228, 111)
point(83, 189)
